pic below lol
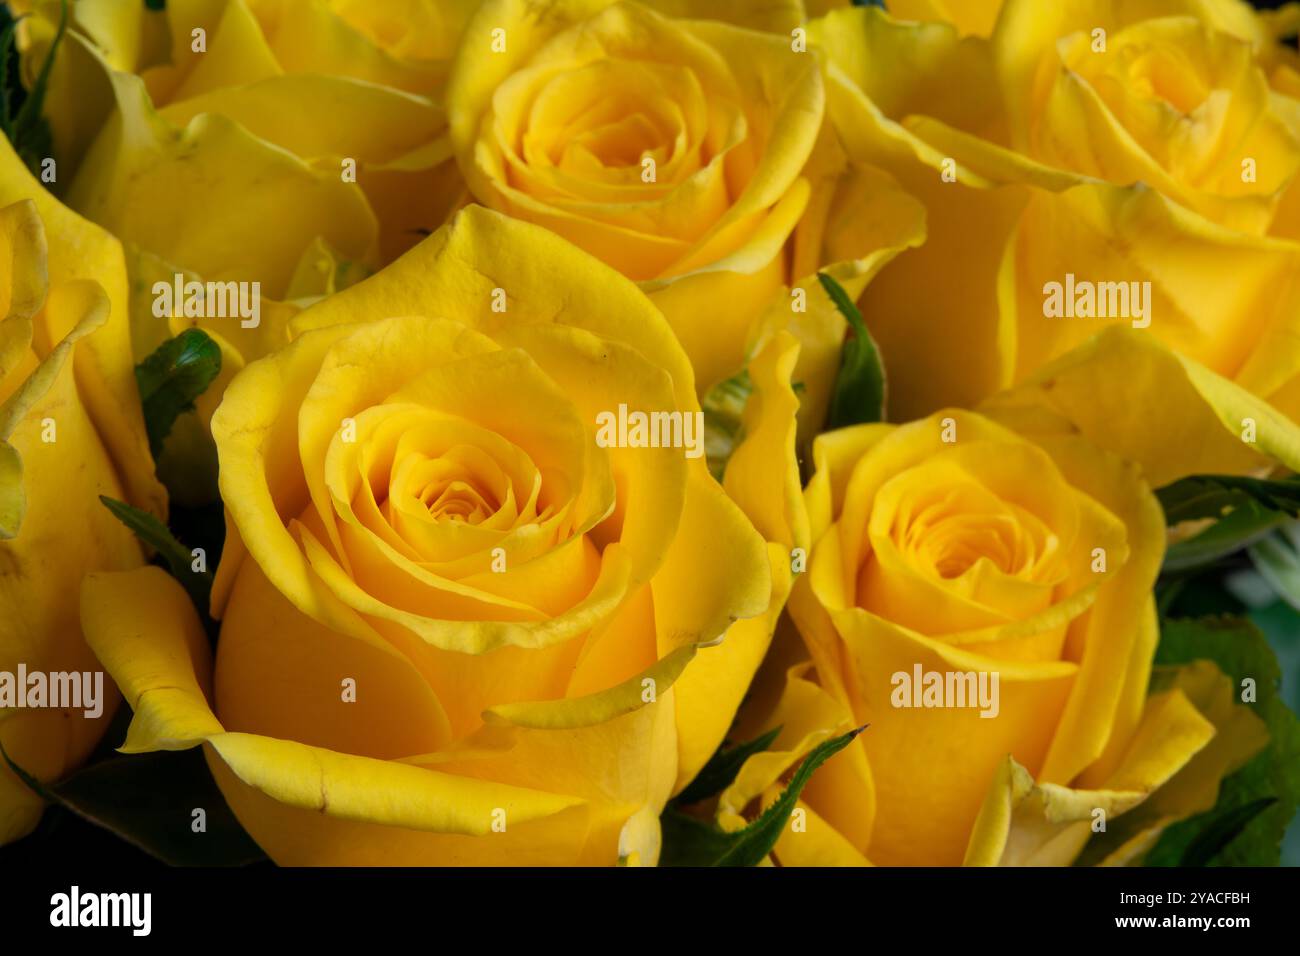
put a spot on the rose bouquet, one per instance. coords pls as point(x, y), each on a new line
point(635, 432)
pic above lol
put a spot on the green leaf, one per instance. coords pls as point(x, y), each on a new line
point(149, 800)
point(688, 841)
point(179, 559)
point(1212, 496)
point(724, 410)
point(1246, 509)
point(722, 768)
point(1240, 650)
point(1277, 558)
point(1244, 525)
point(1201, 594)
point(29, 133)
point(1225, 828)
point(170, 379)
point(859, 393)
point(8, 41)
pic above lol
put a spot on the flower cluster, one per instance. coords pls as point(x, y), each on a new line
point(552, 428)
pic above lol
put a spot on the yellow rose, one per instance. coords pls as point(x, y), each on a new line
point(459, 626)
point(1172, 93)
point(1282, 62)
point(1052, 172)
point(296, 144)
point(996, 636)
point(70, 430)
point(682, 142)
